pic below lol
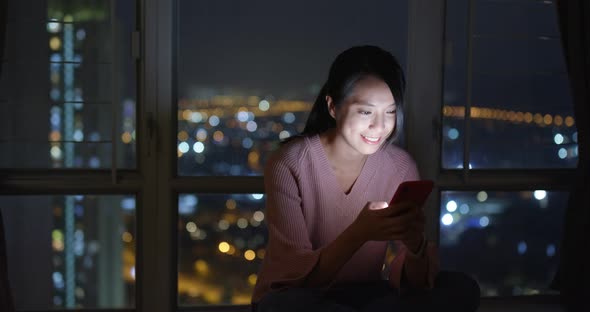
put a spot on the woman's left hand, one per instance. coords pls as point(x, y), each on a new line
point(414, 237)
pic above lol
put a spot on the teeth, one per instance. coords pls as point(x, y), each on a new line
point(371, 139)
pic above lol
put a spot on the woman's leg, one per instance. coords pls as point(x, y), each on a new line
point(456, 291)
point(301, 299)
point(453, 291)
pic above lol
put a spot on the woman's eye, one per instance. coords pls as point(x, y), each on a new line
point(392, 112)
point(364, 112)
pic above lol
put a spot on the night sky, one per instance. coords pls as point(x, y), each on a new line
point(280, 48)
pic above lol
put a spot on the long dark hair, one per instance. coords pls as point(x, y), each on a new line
point(350, 66)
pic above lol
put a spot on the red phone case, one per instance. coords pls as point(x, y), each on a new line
point(415, 191)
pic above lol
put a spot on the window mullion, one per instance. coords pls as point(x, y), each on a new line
point(114, 93)
point(468, 90)
point(156, 279)
point(423, 108)
point(68, 182)
point(238, 184)
point(515, 180)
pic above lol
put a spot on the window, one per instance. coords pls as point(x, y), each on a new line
point(247, 75)
point(516, 82)
point(68, 109)
point(507, 240)
point(511, 76)
point(71, 251)
point(155, 118)
point(68, 71)
point(221, 243)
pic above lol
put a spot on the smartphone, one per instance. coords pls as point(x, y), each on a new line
point(414, 191)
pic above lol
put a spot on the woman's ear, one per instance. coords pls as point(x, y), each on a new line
point(331, 106)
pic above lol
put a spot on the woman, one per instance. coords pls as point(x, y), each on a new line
point(327, 212)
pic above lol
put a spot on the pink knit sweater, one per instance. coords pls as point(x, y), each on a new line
point(306, 209)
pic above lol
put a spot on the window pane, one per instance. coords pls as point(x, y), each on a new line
point(221, 241)
point(70, 251)
point(519, 85)
point(248, 73)
point(507, 240)
point(56, 87)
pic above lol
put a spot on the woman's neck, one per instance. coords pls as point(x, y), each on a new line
point(339, 153)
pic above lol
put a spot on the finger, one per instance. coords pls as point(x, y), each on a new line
point(420, 219)
point(416, 228)
point(379, 205)
point(408, 236)
point(412, 237)
point(381, 213)
point(412, 242)
point(408, 218)
point(390, 227)
point(418, 225)
point(417, 232)
point(414, 233)
point(399, 224)
point(395, 235)
point(400, 231)
point(395, 209)
point(403, 208)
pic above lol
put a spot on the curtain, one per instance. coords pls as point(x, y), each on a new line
point(573, 278)
point(6, 303)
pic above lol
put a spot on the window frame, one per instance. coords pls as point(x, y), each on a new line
point(156, 184)
point(113, 181)
point(426, 47)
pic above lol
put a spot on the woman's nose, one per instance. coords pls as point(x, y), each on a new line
point(378, 123)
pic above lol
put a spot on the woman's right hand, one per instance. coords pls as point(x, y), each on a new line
point(380, 222)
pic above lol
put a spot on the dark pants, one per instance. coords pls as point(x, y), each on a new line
point(452, 292)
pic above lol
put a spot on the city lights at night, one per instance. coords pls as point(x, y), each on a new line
point(241, 84)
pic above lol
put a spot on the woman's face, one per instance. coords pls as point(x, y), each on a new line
point(367, 116)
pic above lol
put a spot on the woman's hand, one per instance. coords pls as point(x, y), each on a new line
point(380, 222)
point(377, 221)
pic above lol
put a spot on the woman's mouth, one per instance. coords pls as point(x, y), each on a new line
point(371, 140)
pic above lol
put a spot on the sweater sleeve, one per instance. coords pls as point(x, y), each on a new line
point(290, 252)
point(418, 271)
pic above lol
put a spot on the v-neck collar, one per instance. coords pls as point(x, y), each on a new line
point(360, 184)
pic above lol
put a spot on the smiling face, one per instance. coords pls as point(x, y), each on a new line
point(366, 117)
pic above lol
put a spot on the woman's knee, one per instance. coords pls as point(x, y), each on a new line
point(289, 299)
point(458, 287)
point(298, 299)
